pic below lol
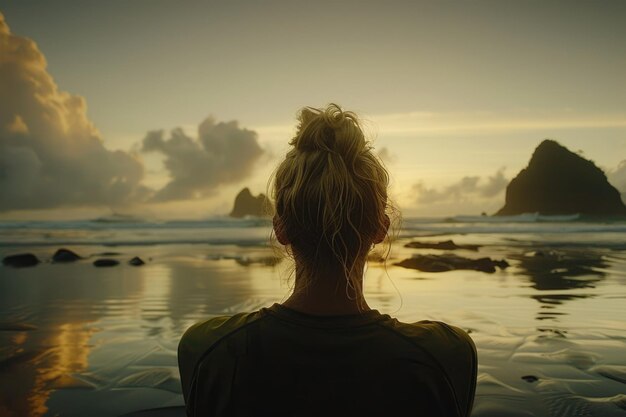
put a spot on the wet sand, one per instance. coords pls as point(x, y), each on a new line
point(77, 340)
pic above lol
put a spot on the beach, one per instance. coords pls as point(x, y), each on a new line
point(80, 340)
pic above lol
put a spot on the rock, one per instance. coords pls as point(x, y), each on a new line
point(20, 260)
point(558, 181)
point(444, 245)
point(502, 263)
point(65, 255)
point(451, 262)
point(105, 262)
point(136, 261)
point(248, 205)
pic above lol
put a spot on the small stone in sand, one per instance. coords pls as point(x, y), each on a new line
point(530, 378)
point(20, 260)
point(105, 262)
point(64, 255)
point(136, 261)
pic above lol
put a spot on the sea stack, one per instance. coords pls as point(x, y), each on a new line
point(558, 181)
point(248, 205)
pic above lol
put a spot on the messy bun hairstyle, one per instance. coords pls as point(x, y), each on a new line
point(330, 194)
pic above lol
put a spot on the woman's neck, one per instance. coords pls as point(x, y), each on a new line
point(325, 294)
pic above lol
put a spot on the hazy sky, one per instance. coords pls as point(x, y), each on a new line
point(449, 90)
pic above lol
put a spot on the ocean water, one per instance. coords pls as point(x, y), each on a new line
point(76, 340)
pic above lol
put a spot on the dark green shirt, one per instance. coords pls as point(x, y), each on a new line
point(279, 362)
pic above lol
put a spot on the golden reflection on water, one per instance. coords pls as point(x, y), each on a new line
point(40, 365)
point(68, 355)
point(19, 339)
point(155, 289)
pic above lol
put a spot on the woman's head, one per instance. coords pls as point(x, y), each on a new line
point(330, 193)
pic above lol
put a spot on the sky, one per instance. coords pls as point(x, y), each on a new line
point(167, 109)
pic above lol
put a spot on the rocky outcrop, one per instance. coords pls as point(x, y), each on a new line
point(20, 260)
point(64, 255)
point(443, 245)
point(248, 205)
point(136, 261)
point(451, 262)
point(558, 181)
point(106, 262)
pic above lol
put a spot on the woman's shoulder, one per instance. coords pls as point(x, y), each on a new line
point(450, 345)
point(202, 335)
point(435, 334)
point(450, 348)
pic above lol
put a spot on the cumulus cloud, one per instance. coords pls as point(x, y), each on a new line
point(495, 184)
point(51, 155)
point(466, 189)
point(223, 153)
point(385, 155)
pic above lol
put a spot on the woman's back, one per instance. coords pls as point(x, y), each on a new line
point(324, 352)
point(280, 362)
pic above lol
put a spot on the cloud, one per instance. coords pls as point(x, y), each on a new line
point(422, 122)
point(495, 184)
point(223, 153)
point(466, 189)
point(385, 155)
point(51, 155)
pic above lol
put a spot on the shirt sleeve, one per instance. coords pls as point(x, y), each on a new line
point(194, 343)
point(466, 364)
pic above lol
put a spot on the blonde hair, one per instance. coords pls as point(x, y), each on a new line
point(330, 194)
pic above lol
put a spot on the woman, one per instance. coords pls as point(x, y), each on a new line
point(324, 352)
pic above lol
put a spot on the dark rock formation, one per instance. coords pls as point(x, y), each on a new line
point(451, 262)
point(558, 181)
point(248, 205)
point(105, 262)
point(65, 255)
point(443, 245)
point(20, 260)
point(136, 261)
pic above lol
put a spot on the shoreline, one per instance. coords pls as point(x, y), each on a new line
point(83, 340)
